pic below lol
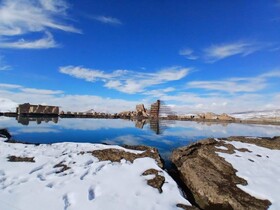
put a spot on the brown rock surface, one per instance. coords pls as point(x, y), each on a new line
point(116, 155)
point(20, 159)
point(157, 181)
point(212, 180)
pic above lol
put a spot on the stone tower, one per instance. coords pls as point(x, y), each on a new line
point(154, 112)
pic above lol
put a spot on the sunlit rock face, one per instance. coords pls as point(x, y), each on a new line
point(231, 173)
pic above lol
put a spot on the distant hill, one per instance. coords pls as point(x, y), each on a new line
point(264, 114)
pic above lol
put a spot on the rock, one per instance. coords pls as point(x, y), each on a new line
point(116, 155)
point(213, 181)
point(5, 133)
point(157, 181)
point(13, 158)
point(62, 167)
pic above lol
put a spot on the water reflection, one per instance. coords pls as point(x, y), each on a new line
point(164, 135)
point(25, 120)
point(155, 125)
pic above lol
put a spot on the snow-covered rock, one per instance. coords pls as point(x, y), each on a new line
point(232, 173)
point(73, 176)
point(260, 167)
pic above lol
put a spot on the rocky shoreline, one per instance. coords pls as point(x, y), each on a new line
point(204, 170)
point(85, 176)
point(212, 181)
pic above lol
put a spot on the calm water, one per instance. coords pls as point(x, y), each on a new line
point(116, 131)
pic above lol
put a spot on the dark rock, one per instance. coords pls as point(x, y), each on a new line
point(62, 167)
point(185, 207)
point(20, 159)
point(5, 133)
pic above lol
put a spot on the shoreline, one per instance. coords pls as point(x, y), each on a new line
point(207, 155)
point(263, 121)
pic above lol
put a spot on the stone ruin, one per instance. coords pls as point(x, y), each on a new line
point(154, 112)
point(28, 109)
point(141, 111)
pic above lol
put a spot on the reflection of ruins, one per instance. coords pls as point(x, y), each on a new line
point(140, 123)
point(25, 120)
point(156, 125)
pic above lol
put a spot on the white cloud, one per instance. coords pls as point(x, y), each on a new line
point(24, 16)
point(230, 85)
point(221, 51)
point(235, 85)
point(80, 72)
point(43, 43)
point(158, 93)
point(20, 17)
point(17, 94)
point(193, 103)
point(9, 86)
point(188, 53)
point(108, 20)
point(127, 81)
point(41, 91)
point(275, 73)
point(181, 102)
point(68, 102)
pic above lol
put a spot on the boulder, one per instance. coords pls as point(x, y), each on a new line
point(212, 180)
point(5, 133)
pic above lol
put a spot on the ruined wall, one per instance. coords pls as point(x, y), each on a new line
point(154, 113)
point(37, 109)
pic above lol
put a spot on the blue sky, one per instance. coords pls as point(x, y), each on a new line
point(109, 55)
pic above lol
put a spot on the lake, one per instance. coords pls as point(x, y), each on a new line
point(165, 135)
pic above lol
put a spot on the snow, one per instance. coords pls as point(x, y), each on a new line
point(88, 184)
point(271, 114)
point(2, 138)
point(7, 105)
point(222, 148)
point(261, 169)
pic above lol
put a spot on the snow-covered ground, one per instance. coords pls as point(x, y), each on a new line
point(271, 114)
point(87, 184)
point(260, 168)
